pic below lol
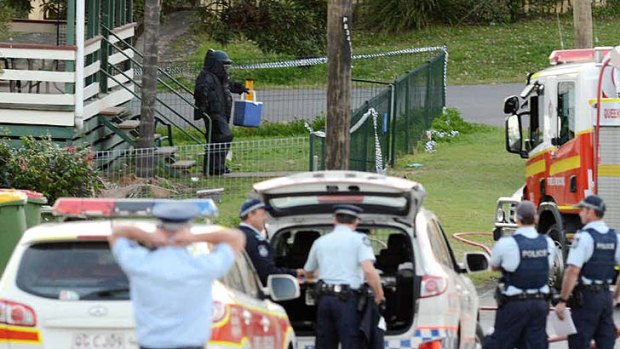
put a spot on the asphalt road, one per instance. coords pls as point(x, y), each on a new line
point(482, 104)
point(487, 318)
point(477, 103)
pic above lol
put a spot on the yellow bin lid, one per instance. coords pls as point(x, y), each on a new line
point(13, 196)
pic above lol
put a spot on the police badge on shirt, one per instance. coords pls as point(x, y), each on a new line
point(263, 251)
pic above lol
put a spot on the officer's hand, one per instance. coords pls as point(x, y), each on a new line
point(300, 273)
point(247, 90)
point(382, 307)
point(379, 299)
point(560, 310)
point(157, 239)
point(183, 238)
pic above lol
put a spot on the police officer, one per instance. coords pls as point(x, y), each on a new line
point(524, 259)
point(343, 258)
point(253, 218)
point(212, 95)
point(170, 286)
point(590, 271)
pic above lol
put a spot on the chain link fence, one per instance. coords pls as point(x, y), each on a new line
point(401, 112)
point(250, 162)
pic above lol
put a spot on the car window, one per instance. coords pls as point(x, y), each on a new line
point(72, 270)
point(438, 244)
point(233, 278)
point(248, 277)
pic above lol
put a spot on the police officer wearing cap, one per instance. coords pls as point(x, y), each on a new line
point(171, 286)
point(343, 258)
point(524, 259)
point(253, 219)
point(593, 254)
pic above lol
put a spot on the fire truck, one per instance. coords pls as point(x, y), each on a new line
point(566, 124)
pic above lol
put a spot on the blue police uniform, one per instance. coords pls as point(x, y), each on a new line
point(171, 286)
point(261, 254)
point(525, 259)
point(337, 256)
point(596, 251)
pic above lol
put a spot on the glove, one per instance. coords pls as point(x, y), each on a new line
point(382, 307)
point(246, 90)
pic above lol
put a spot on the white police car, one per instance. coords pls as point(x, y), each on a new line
point(62, 289)
point(430, 302)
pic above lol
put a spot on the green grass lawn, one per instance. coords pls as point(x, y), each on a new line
point(477, 54)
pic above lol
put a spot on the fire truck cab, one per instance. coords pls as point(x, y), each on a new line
point(566, 124)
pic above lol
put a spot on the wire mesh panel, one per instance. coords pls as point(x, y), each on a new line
point(179, 173)
point(418, 98)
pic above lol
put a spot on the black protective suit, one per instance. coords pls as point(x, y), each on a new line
point(212, 95)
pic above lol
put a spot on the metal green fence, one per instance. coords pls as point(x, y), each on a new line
point(394, 120)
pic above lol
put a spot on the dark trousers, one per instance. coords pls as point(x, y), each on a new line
point(520, 324)
point(594, 320)
point(215, 152)
point(337, 321)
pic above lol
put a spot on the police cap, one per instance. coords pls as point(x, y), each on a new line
point(175, 211)
point(594, 202)
point(348, 210)
point(526, 210)
point(250, 205)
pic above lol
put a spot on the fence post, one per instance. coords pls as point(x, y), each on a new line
point(391, 125)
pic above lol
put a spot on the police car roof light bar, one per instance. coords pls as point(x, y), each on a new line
point(110, 208)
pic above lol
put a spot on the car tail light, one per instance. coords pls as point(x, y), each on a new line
point(433, 285)
point(219, 311)
point(16, 314)
point(430, 345)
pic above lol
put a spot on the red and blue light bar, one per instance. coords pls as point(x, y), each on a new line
point(111, 208)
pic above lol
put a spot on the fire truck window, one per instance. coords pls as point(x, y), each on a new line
point(566, 112)
point(537, 111)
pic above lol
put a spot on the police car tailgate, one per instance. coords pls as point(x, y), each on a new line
point(316, 193)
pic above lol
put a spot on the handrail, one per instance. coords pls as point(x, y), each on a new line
point(205, 115)
point(163, 72)
point(158, 112)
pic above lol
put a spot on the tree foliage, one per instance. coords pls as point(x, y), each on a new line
point(294, 27)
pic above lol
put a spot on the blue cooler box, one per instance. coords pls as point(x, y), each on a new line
point(247, 113)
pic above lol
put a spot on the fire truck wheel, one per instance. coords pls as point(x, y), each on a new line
point(555, 276)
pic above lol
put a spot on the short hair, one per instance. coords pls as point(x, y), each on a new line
point(345, 218)
point(528, 220)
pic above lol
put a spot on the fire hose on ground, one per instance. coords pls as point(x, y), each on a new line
point(460, 237)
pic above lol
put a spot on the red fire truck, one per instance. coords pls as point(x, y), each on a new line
point(566, 123)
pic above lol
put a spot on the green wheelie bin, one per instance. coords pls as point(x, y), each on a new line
point(34, 202)
point(12, 222)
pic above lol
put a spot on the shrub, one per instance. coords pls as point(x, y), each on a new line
point(451, 120)
point(43, 166)
point(611, 9)
point(476, 11)
point(395, 15)
point(293, 27)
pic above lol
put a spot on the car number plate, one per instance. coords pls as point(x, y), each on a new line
point(103, 340)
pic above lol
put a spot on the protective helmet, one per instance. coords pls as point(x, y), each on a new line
point(219, 56)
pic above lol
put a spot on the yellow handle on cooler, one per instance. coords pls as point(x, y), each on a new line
point(249, 84)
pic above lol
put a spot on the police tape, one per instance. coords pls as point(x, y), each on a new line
point(322, 60)
point(379, 168)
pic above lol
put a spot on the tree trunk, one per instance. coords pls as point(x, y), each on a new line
point(145, 164)
point(582, 17)
point(337, 141)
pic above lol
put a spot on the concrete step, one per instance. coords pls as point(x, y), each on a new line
point(183, 164)
point(112, 111)
point(165, 150)
point(129, 125)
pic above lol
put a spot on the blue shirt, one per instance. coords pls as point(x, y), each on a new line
point(171, 291)
point(505, 254)
point(582, 248)
point(338, 255)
